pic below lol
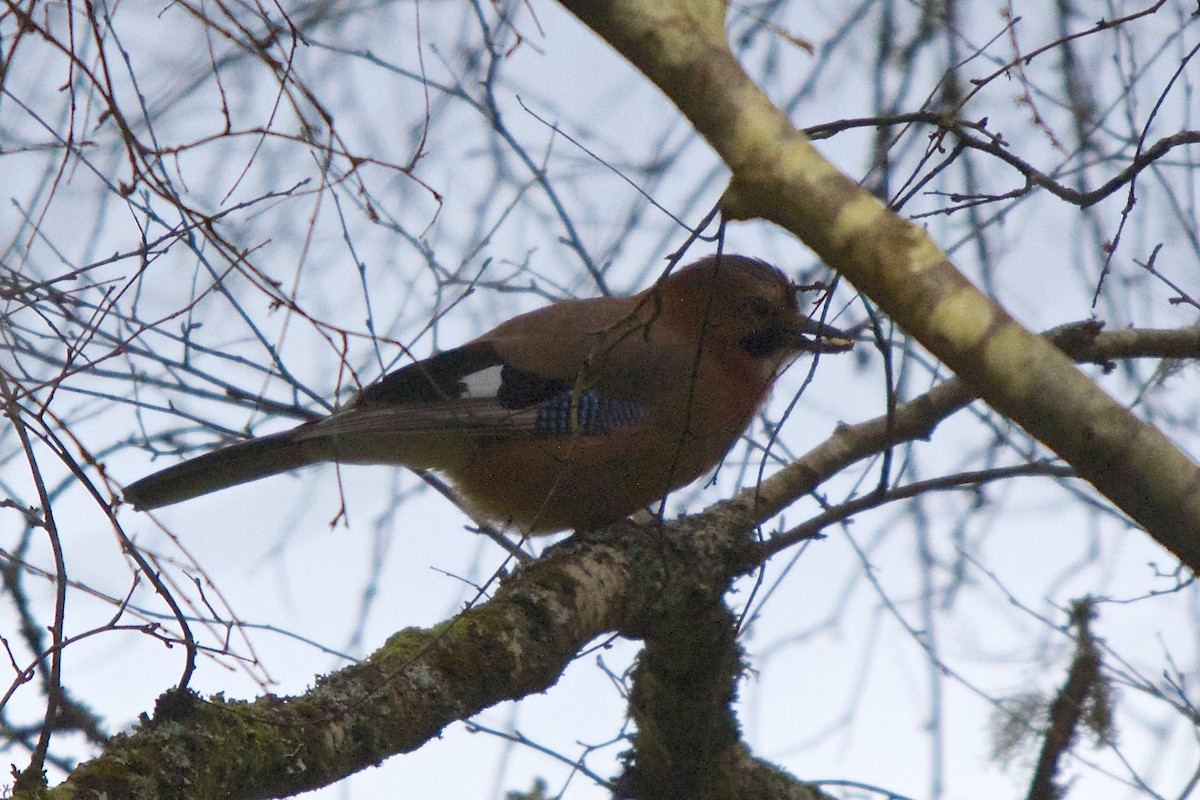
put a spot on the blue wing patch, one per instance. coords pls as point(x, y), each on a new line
point(594, 415)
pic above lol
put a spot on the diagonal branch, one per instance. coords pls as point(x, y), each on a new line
point(917, 418)
point(621, 579)
point(419, 682)
point(778, 175)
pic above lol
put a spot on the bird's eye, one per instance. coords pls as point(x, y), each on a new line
point(758, 308)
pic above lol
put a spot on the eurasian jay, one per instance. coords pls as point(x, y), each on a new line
point(570, 416)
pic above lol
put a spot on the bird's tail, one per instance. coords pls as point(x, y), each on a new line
point(229, 466)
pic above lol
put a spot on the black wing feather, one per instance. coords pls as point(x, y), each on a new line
point(434, 379)
point(443, 377)
point(436, 390)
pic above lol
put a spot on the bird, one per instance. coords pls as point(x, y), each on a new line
point(571, 416)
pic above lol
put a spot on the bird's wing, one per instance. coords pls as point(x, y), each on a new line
point(473, 391)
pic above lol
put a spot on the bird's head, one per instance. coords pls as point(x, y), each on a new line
point(750, 305)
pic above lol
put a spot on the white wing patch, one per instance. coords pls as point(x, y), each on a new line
point(484, 383)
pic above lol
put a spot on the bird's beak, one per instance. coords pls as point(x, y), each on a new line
point(817, 337)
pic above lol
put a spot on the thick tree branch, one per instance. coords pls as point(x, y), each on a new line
point(401, 697)
point(622, 579)
point(682, 702)
point(778, 175)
